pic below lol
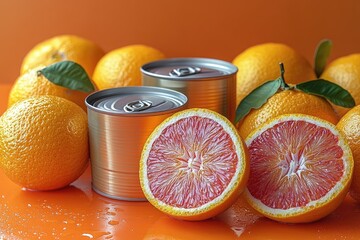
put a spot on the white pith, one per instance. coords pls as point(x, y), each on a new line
point(346, 177)
point(228, 190)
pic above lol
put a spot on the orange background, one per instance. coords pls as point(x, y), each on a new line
point(187, 28)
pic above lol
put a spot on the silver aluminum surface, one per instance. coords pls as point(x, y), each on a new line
point(208, 83)
point(120, 121)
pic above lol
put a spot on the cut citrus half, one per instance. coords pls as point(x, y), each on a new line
point(300, 168)
point(194, 165)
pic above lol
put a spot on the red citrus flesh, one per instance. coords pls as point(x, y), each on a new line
point(298, 165)
point(287, 173)
point(194, 165)
point(191, 163)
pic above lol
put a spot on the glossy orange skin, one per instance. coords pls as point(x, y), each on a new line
point(349, 125)
point(44, 142)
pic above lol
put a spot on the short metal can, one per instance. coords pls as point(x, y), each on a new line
point(120, 121)
point(208, 83)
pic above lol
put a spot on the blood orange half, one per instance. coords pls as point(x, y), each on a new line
point(194, 165)
point(300, 168)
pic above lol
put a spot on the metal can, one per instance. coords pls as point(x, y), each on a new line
point(208, 83)
point(120, 121)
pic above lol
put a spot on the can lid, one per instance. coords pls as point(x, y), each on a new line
point(135, 100)
point(188, 68)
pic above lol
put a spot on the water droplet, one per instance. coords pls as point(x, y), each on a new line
point(111, 213)
point(113, 222)
point(95, 234)
point(87, 235)
point(238, 230)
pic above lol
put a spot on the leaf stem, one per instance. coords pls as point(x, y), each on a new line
point(283, 85)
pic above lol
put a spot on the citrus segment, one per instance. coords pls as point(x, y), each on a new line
point(194, 165)
point(300, 168)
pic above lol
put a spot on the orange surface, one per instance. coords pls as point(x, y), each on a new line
point(77, 212)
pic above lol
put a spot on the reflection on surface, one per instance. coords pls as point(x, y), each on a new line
point(25, 213)
point(76, 212)
point(239, 216)
point(167, 228)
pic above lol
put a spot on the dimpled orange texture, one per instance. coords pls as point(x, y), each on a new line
point(286, 102)
point(260, 63)
point(61, 48)
point(32, 84)
point(349, 125)
point(44, 142)
point(121, 67)
point(345, 71)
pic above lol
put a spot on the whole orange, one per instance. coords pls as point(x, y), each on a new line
point(61, 48)
point(121, 67)
point(44, 142)
point(260, 63)
point(32, 84)
point(286, 102)
point(349, 125)
point(345, 71)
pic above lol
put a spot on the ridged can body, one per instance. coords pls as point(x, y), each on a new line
point(120, 121)
point(208, 83)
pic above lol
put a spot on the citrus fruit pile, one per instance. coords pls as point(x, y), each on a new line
point(293, 151)
point(44, 132)
point(301, 164)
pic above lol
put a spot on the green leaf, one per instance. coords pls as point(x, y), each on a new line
point(257, 98)
point(68, 74)
point(329, 90)
point(322, 53)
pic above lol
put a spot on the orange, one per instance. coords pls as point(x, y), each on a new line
point(194, 165)
point(61, 48)
point(349, 125)
point(287, 101)
point(44, 142)
point(121, 67)
point(300, 168)
point(345, 71)
point(32, 84)
point(260, 63)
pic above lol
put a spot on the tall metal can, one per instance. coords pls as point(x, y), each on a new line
point(208, 83)
point(120, 121)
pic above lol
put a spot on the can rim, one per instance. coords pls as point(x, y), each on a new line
point(91, 98)
point(216, 64)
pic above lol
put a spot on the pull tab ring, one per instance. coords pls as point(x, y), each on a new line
point(184, 71)
point(137, 106)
